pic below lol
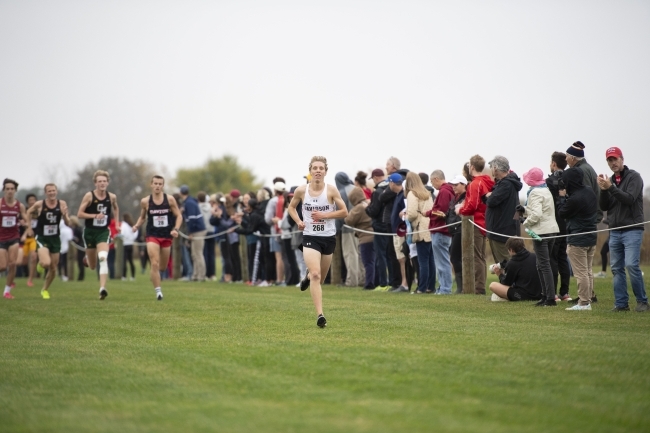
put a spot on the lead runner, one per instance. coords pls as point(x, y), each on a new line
point(320, 202)
point(163, 218)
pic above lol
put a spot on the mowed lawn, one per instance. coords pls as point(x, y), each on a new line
point(231, 358)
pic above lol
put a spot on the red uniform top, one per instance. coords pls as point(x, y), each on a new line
point(9, 216)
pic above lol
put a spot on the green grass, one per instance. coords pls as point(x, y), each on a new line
point(231, 358)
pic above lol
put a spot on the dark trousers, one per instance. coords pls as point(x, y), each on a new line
point(269, 260)
point(427, 271)
point(367, 251)
point(291, 272)
point(210, 261)
point(235, 257)
point(543, 251)
point(380, 246)
point(63, 264)
point(603, 255)
point(128, 258)
point(394, 271)
point(250, 253)
point(560, 266)
point(80, 265)
point(456, 258)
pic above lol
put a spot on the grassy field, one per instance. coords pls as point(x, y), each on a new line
point(231, 358)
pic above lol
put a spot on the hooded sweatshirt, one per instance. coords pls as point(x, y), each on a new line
point(444, 197)
point(578, 208)
point(501, 205)
point(345, 186)
point(624, 202)
point(358, 218)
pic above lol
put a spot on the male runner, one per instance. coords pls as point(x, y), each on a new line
point(319, 210)
point(97, 208)
point(11, 210)
point(157, 210)
point(50, 212)
point(28, 255)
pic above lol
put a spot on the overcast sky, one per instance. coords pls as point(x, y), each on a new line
point(274, 83)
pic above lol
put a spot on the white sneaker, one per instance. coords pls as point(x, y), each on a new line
point(600, 274)
point(497, 298)
point(578, 307)
point(263, 284)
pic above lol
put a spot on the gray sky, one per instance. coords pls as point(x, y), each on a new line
point(275, 83)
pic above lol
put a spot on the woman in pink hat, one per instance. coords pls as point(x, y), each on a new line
point(540, 219)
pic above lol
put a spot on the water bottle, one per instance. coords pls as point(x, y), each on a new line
point(533, 235)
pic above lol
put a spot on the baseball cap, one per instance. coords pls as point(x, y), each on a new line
point(613, 152)
point(459, 179)
point(279, 186)
point(235, 193)
point(395, 178)
point(185, 189)
point(376, 173)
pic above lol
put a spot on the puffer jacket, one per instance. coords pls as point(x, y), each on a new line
point(540, 212)
point(501, 206)
point(357, 217)
point(415, 213)
point(578, 209)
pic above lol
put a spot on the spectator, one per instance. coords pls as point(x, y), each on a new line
point(349, 242)
point(273, 216)
point(359, 219)
point(66, 236)
point(418, 208)
point(128, 239)
point(360, 181)
point(209, 245)
point(622, 198)
point(77, 238)
point(292, 273)
point(559, 260)
point(480, 185)
point(233, 207)
point(459, 183)
point(397, 217)
point(579, 210)
point(540, 219)
point(425, 181)
point(267, 258)
point(381, 243)
point(575, 157)
point(441, 238)
point(518, 277)
point(196, 232)
point(501, 203)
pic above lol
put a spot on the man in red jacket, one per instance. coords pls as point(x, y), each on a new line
point(474, 205)
point(440, 237)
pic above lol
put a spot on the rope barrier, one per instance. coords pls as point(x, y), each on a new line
point(561, 236)
point(395, 234)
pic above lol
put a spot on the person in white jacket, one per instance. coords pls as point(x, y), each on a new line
point(540, 219)
point(128, 239)
point(66, 235)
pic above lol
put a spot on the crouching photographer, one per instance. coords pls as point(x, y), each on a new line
point(518, 277)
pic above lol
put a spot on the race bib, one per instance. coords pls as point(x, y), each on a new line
point(160, 221)
point(8, 221)
point(99, 222)
point(50, 230)
point(318, 226)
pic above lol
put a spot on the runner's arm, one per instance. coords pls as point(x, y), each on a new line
point(144, 204)
point(27, 216)
point(177, 213)
point(298, 196)
point(64, 213)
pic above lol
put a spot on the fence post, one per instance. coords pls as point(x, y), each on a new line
point(467, 230)
point(119, 257)
point(243, 254)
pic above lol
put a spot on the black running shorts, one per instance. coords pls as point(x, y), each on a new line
point(322, 244)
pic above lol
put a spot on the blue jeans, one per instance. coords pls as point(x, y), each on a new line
point(380, 243)
point(427, 271)
point(441, 244)
point(624, 253)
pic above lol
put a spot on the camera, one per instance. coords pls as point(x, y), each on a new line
point(560, 184)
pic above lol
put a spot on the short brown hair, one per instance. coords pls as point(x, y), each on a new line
point(49, 184)
point(318, 159)
point(478, 162)
point(157, 176)
point(516, 245)
point(559, 158)
point(101, 173)
point(6, 181)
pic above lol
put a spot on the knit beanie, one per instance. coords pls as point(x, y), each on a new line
point(576, 149)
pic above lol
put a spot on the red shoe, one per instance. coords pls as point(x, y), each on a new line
point(30, 284)
point(8, 296)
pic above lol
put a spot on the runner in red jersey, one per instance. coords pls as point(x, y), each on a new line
point(11, 211)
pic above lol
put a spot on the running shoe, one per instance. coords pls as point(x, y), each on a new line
point(600, 274)
point(322, 321)
point(39, 268)
point(304, 284)
point(8, 296)
point(30, 283)
point(102, 294)
point(578, 307)
point(566, 297)
point(45, 294)
point(159, 297)
point(381, 289)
